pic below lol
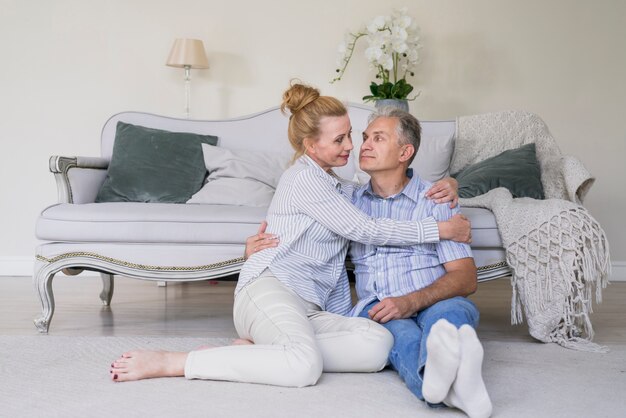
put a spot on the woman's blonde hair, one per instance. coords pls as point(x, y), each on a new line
point(307, 107)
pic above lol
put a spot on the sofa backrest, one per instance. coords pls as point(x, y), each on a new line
point(264, 131)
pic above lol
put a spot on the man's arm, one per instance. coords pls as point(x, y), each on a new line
point(260, 241)
point(460, 279)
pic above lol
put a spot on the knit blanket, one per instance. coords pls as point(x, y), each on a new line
point(558, 252)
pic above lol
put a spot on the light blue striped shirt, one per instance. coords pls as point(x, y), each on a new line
point(313, 216)
point(389, 271)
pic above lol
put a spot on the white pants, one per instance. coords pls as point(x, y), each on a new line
point(293, 341)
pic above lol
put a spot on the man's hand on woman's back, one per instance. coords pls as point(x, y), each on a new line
point(260, 241)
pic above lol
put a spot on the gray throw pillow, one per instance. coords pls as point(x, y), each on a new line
point(516, 169)
point(152, 165)
point(241, 177)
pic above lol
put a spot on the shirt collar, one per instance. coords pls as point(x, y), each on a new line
point(411, 190)
point(308, 161)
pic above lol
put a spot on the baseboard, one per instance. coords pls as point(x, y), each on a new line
point(618, 271)
point(16, 266)
point(23, 266)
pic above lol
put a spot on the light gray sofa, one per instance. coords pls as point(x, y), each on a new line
point(185, 242)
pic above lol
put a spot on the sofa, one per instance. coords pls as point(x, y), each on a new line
point(198, 241)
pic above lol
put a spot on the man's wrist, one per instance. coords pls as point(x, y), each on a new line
point(415, 304)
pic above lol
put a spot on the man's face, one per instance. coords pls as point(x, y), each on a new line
point(380, 150)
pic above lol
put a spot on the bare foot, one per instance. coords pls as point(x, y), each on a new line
point(238, 341)
point(242, 341)
point(204, 347)
point(137, 365)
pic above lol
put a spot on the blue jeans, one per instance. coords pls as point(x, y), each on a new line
point(408, 354)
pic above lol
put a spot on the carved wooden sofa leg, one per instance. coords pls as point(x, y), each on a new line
point(44, 273)
point(107, 288)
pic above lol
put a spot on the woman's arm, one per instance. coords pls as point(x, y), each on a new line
point(317, 198)
point(445, 190)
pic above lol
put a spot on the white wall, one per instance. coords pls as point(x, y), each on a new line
point(67, 65)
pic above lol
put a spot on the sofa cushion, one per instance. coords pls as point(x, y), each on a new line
point(516, 169)
point(152, 165)
point(149, 223)
point(432, 161)
point(188, 224)
point(240, 177)
point(484, 228)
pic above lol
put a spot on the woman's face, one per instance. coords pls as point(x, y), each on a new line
point(334, 144)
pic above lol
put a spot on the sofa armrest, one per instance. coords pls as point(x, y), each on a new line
point(577, 179)
point(78, 178)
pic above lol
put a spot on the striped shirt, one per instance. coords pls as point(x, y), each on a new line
point(313, 216)
point(389, 271)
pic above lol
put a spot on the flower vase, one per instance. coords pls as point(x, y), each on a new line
point(399, 103)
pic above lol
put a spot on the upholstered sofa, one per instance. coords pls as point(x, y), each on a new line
point(185, 242)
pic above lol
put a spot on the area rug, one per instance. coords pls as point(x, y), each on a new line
point(50, 376)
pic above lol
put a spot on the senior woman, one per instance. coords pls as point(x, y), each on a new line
point(291, 299)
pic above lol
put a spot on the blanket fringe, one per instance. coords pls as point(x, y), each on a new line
point(580, 344)
point(555, 268)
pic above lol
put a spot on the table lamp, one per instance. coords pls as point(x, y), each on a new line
point(188, 54)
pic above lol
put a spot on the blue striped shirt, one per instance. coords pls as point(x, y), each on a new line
point(313, 216)
point(389, 271)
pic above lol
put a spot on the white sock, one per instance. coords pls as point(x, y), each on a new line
point(442, 361)
point(468, 392)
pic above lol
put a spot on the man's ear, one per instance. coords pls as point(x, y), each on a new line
point(407, 152)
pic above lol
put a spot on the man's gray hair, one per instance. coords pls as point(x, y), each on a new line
point(408, 129)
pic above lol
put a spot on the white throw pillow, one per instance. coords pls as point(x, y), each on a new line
point(431, 163)
point(240, 177)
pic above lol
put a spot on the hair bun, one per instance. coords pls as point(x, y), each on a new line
point(297, 96)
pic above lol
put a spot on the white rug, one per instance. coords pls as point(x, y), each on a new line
point(48, 376)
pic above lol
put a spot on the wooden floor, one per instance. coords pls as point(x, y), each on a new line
point(197, 309)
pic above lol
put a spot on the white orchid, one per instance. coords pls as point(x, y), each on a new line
point(373, 53)
point(404, 21)
point(342, 48)
point(412, 56)
point(392, 51)
point(386, 61)
point(377, 24)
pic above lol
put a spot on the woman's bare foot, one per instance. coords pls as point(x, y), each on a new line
point(238, 341)
point(137, 365)
point(242, 341)
point(205, 347)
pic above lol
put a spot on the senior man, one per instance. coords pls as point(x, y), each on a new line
point(417, 292)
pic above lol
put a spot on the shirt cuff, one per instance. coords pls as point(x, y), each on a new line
point(430, 230)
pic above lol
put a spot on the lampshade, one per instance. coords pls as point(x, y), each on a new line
point(188, 52)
